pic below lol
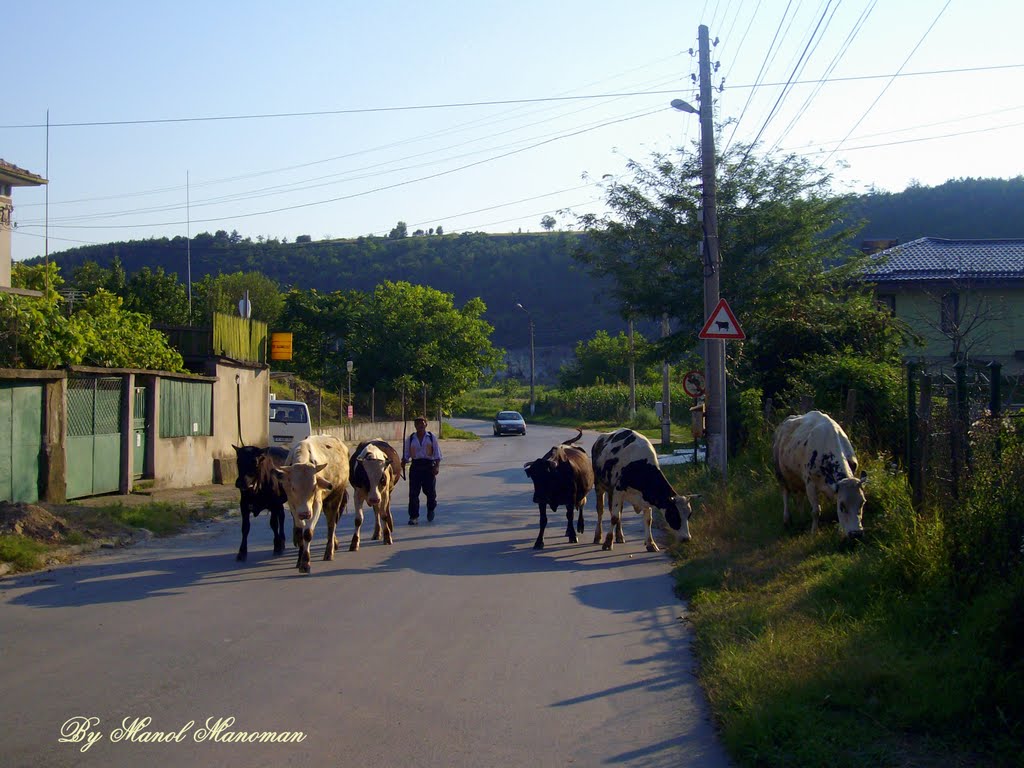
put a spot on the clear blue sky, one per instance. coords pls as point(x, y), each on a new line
point(461, 164)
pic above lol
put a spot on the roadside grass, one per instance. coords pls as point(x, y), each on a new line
point(23, 553)
point(815, 653)
point(160, 518)
point(448, 432)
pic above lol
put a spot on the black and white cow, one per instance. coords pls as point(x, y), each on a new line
point(259, 488)
point(374, 470)
point(561, 477)
point(626, 468)
point(813, 456)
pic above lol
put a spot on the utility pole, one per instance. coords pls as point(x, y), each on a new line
point(714, 350)
point(666, 391)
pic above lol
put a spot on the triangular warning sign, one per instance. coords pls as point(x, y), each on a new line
point(722, 324)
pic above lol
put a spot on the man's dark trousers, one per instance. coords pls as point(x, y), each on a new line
point(422, 480)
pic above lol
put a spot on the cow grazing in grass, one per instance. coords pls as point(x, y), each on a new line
point(626, 468)
point(315, 479)
point(260, 489)
point(813, 456)
point(561, 477)
point(374, 470)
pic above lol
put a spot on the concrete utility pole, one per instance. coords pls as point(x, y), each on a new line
point(714, 350)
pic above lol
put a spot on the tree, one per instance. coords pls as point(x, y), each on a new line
point(605, 359)
point(786, 268)
point(41, 334)
point(399, 334)
point(158, 295)
point(399, 231)
point(548, 222)
point(223, 292)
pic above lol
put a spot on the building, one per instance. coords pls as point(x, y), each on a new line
point(963, 298)
point(10, 176)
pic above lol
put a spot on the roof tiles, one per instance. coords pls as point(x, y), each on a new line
point(934, 258)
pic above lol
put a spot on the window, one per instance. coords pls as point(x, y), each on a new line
point(949, 316)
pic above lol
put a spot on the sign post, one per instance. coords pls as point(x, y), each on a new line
point(721, 326)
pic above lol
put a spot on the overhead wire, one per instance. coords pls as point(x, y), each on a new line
point(891, 81)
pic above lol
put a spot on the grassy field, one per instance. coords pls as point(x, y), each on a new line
point(814, 653)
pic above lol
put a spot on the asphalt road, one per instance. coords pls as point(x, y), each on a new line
point(457, 646)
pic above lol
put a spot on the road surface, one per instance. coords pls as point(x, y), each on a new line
point(458, 646)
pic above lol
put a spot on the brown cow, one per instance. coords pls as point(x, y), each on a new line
point(315, 480)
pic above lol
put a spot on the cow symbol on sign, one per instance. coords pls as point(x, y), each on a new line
point(722, 324)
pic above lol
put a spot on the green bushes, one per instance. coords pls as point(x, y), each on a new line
point(611, 402)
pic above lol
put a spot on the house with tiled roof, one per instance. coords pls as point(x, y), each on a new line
point(963, 298)
point(10, 176)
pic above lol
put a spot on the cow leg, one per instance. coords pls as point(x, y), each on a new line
point(354, 546)
point(277, 526)
point(307, 537)
point(377, 528)
point(539, 543)
point(619, 538)
point(332, 538)
point(387, 521)
point(579, 522)
point(600, 515)
point(649, 541)
point(296, 536)
point(615, 523)
point(785, 506)
point(570, 531)
point(243, 550)
point(812, 499)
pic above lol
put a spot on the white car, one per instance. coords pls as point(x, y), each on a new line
point(509, 423)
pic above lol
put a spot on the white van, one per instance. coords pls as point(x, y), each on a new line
point(289, 422)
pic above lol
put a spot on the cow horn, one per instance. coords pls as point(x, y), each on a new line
point(319, 467)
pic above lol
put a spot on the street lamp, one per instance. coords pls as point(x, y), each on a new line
point(520, 306)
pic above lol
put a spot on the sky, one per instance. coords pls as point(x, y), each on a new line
point(337, 119)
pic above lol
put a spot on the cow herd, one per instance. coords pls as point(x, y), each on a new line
point(811, 454)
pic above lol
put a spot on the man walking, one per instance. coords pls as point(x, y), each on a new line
point(423, 450)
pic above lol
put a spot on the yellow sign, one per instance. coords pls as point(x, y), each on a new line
point(280, 346)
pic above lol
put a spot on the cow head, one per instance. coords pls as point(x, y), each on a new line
point(305, 489)
point(375, 467)
point(849, 494)
point(677, 514)
point(247, 458)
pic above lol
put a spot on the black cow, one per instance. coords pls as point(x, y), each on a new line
point(260, 489)
point(561, 477)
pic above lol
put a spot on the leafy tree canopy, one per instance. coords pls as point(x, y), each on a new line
point(44, 332)
point(787, 270)
point(605, 360)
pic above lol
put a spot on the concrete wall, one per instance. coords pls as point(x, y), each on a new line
point(6, 215)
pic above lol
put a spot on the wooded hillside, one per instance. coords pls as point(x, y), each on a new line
point(566, 303)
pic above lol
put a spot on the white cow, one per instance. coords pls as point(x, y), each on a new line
point(315, 479)
point(814, 456)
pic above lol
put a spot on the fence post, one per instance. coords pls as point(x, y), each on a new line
point(924, 431)
point(958, 434)
point(851, 407)
point(995, 405)
point(911, 426)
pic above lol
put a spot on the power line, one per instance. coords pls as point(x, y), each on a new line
point(886, 88)
point(460, 105)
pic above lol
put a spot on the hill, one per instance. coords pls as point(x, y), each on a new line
point(537, 270)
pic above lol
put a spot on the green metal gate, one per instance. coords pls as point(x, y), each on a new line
point(141, 433)
point(94, 436)
point(21, 441)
